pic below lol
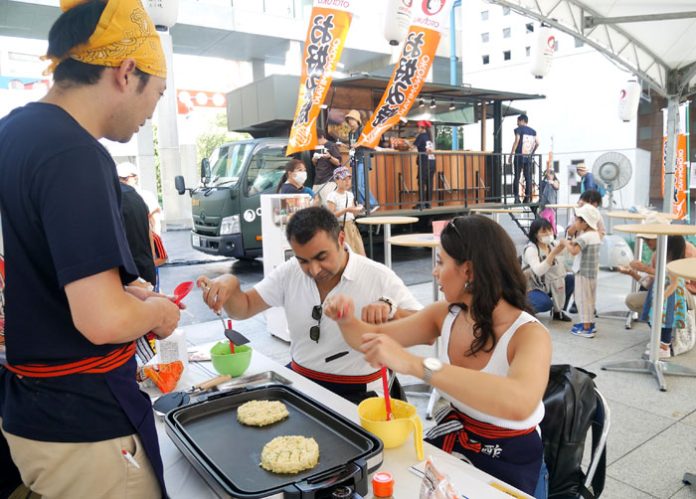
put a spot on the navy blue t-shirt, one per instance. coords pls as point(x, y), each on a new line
point(61, 221)
point(527, 139)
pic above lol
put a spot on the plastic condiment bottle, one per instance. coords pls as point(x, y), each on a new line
point(383, 485)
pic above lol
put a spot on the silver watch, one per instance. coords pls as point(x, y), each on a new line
point(431, 365)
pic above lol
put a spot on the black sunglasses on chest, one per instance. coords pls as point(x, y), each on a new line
point(314, 331)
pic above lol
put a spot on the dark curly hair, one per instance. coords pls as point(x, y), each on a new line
point(305, 224)
point(497, 273)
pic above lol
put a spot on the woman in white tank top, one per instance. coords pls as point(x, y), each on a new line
point(495, 358)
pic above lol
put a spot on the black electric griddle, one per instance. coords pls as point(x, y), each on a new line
point(227, 454)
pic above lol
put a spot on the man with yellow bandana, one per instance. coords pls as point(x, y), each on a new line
point(76, 424)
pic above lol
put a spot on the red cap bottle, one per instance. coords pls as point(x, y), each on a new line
point(383, 484)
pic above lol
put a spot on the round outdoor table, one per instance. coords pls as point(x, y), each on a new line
point(563, 206)
point(653, 365)
point(424, 241)
point(496, 211)
point(686, 268)
point(628, 215)
point(387, 221)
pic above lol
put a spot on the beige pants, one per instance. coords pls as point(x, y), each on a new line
point(353, 237)
point(323, 190)
point(81, 470)
point(635, 301)
point(585, 297)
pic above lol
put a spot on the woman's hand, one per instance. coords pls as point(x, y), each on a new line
point(339, 308)
point(381, 350)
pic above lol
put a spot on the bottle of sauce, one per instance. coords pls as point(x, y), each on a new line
point(383, 485)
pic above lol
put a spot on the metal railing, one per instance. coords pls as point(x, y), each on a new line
point(454, 179)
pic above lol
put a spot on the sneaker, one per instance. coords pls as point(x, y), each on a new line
point(561, 316)
point(374, 209)
point(573, 309)
point(662, 354)
point(579, 330)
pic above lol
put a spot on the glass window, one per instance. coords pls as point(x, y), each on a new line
point(529, 27)
point(486, 59)
point(507, 55)
point(506, 11)
point(227, 162)
point(484, 15)
point(555, 47)
point(485, 37)
point(506, 32)
point(644, 133)
point(265, 171)
point(579, 43)
point(528, 51)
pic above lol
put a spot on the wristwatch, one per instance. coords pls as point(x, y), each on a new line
point(431, 365)
point(392, 307)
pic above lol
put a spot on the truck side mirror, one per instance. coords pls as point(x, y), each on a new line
point(205, 169)
point(180, 184)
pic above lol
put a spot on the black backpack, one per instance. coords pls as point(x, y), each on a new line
point(572, 407)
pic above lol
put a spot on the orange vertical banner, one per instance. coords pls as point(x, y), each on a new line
point(430, 18)
point(326, 35)
point(680, 195)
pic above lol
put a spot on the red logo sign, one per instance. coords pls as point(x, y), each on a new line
point(551, 42)
point(432, 7)
point(622, 95)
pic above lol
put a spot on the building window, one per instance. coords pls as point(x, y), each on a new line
point(485, 37)
point(556, 166)
point(506, 32)
point(579, 43)
point(555, 46)
point(484, 15)
point(506, 11)
point(644, 133)
point(507, 55)
point(528, 51)
point(530, 27)
point(486, 59)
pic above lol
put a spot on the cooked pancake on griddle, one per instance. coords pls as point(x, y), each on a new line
point(290, 454)
point(261, 412)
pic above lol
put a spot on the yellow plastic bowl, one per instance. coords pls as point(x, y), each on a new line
point(232, 364)
point(373, 417)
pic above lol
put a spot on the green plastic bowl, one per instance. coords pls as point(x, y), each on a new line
point(232, 364)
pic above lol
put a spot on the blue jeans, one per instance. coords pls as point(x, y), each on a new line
point(360, 176)
point(541, 302)
point(542, 488)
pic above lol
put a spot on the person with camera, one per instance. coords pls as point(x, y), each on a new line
point(325, 160)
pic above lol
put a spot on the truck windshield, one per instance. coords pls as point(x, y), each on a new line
point(227, 162)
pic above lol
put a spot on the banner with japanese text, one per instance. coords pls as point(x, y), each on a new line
point(430, 19)
point(326, 35)
point(680, 201)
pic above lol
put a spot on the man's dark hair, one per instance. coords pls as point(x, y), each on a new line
point(592, 196)
point(523, 117)
point(305, 224)
point(73, 28)
point(321, 134)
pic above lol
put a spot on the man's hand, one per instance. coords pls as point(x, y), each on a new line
point(169, 316)
point(380, 350)
point(218, 291)
point(376, 313)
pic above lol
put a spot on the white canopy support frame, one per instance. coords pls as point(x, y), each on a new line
point(653, 40)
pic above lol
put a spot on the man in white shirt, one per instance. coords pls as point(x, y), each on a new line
point(323, 266)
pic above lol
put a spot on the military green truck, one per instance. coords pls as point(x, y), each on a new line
point(226, 204)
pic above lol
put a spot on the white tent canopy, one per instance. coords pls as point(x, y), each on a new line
point(654, 39)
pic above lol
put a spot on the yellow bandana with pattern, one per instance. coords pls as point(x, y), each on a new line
point(124, 31)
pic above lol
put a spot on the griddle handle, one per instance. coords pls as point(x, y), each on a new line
point(214, 396)
point(350, 474)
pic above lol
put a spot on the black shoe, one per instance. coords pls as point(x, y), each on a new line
point(561, 316)
point(573, 309)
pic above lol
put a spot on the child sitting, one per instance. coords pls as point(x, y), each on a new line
point(585, 248)
point(674, 308)
point(342, 203)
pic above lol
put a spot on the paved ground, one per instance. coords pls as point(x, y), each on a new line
point(652, 441)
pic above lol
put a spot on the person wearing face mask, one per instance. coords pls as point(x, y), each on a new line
point(292, 181)
point(549, 285)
